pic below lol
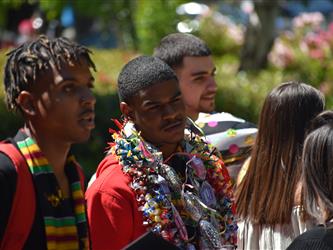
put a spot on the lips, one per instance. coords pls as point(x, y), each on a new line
point(170, 127)
point(87, 119)
point(208, 97)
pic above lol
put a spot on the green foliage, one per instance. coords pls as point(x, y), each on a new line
point(4, 6)
point(242, 93)
point(154, 20)
point(116, 14)
point(221, 36)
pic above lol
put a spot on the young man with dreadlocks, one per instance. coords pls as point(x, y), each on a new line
point(49, 83)
point(155, 177)
point(192, 61)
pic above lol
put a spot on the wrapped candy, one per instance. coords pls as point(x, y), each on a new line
point(180, 224)
point(192, 205)
point(198, 167)
point(171, 176)
point(207, 194)
point(209, 235)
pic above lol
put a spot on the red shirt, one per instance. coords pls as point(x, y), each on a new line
point(113, 216)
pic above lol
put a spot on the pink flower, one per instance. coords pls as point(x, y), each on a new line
point(281, 55)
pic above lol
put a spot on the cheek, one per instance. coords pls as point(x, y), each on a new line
point(191, 93)
point(44, 104)
point(58, 107)
point(148, 120)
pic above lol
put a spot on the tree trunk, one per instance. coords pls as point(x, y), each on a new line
point(260, 35)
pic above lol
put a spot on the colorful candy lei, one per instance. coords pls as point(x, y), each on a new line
point(144, 163)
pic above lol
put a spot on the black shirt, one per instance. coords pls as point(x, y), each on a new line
point(314, 239)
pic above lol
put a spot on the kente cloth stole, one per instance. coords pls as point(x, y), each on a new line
point(64, 218)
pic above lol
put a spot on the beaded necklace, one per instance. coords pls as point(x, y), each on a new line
point(168, 204)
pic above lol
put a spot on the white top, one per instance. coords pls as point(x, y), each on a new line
point(278, 237)
point(220, 138)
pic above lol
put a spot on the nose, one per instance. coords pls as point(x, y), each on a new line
point(87, 97)
point(169, 112)
point(211, 84)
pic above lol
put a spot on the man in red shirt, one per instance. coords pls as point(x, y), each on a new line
point(154, 176)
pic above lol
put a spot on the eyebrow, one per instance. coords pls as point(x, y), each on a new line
point(202, 72)
point(91, 80)
point(149, 102)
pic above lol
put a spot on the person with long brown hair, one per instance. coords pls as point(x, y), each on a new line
point(268, 197)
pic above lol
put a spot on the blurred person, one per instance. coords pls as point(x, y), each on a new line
point(155, 177)
point(192, 61)
point(25, 31)
point(49, 83)
point(268, 198)
point(317, 179)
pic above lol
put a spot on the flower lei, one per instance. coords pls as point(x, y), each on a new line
point(142, 162)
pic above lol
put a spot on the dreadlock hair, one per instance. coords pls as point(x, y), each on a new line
point(26, 62)
point(140, 73)
point(174, 47)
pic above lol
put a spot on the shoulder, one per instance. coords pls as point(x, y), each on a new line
point(224, 129)
point(111, 180)
point(225, 119)
point(317, 238)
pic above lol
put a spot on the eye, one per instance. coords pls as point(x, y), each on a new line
point(177, 99)
point(199, 79)
point(68, 88)
point(155, 107)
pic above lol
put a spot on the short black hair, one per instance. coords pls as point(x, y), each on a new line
point(140, 73)
point(174, 47)
point(26, 62)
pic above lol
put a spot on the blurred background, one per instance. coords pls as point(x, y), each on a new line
point(256, 45)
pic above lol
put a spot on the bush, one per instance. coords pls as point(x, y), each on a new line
point(221, 34)
point(154, 20)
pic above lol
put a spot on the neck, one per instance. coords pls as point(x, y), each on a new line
point(192, 114)
point(168, 149)
point(54, 150)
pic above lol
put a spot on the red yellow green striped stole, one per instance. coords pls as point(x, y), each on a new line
point(64, 229)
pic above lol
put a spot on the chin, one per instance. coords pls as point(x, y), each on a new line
point(82, 138)
point(175, 138)
point(208, 108)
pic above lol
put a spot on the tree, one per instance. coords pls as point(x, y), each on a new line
point(116, 14)
point(260, 35)
point(154, 20)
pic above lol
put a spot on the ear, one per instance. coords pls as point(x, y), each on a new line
point(25, 100)
point(127, 111)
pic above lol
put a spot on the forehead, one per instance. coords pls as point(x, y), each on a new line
point(158, 92)
point(77, 70)
point(197, 63)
